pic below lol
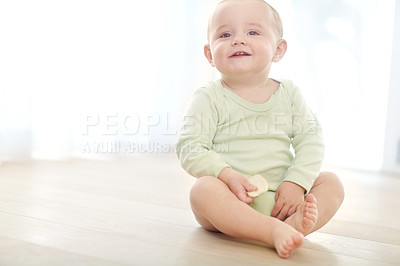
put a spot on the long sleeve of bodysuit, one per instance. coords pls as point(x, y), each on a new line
point(195, 142)
point(307, 142)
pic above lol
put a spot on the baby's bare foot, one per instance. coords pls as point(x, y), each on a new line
point(286, 239)
point(306, 216)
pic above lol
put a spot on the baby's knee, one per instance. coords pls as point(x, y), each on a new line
point(203, 186)
point(203, 183)
point(333, 181)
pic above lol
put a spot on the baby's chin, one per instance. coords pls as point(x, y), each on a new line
point(241, 71)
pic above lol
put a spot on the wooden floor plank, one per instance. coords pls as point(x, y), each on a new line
point(39, 195)
point(16, 252)
point(196, 245)
point(364, 231)
point(126, 211)
point(107, 246)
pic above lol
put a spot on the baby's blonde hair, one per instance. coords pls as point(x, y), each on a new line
point(277, 18)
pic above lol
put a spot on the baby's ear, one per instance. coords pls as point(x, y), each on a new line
point(207, 53)
point(280, 51)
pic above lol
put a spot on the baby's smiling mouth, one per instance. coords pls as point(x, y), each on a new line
point(240, 54)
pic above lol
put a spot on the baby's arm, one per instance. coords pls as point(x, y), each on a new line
point(309, 152)
point(195, 145)
point(195, 142)
point(238, 184)
point(307, 143)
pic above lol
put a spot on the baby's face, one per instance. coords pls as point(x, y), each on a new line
point(242, 38)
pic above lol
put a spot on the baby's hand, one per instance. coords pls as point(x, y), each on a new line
point(287, 198)
point(238, 184)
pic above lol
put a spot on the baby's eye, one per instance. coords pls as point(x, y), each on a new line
point(225, 35)
point(253, 33)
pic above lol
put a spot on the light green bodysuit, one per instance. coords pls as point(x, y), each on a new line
point(220, 129)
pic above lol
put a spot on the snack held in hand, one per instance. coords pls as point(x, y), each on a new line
point(260, 183)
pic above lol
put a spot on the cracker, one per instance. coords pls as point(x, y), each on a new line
point(260, 183)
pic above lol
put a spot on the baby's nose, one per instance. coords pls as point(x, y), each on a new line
point(239, 40)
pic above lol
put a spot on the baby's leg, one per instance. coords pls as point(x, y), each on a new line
point(329, 192)
point(312, 215)
point(217, 209)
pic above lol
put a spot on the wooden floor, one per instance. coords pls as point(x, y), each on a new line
point(135, 211)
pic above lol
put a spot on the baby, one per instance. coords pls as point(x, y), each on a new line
point(244, 124)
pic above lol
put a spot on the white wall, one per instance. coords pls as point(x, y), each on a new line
point(392, 139)
point(339, 53)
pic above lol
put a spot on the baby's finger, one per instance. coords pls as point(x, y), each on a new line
point(283, 213)
point(291, 211)
point(242, 196)
point(245, 183)
point(249, 186)
point(277, 208)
